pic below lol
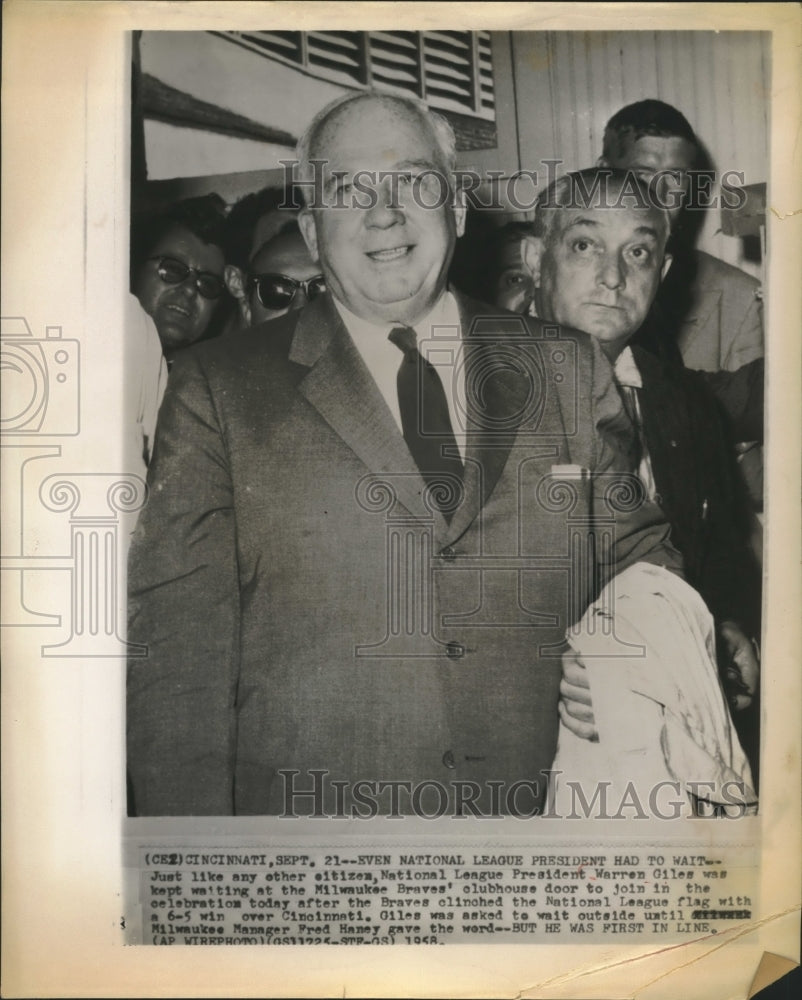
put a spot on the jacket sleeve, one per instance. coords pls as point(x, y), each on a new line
point(740, 394)
point(743, 312)
point(729, 578)
point(184, 607)
point(629, 528)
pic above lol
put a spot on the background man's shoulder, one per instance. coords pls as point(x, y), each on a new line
point(482, 317)
point(264, 347)
point(711, 272)
point(723, 327)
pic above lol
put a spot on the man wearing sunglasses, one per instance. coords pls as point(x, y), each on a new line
point(177, 269)
point(351, 572)
point(268, 267)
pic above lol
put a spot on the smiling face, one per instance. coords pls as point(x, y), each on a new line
point(599, 270)
point(387, 261)
point(180, 312)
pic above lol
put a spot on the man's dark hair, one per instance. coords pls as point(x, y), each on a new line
point(650, 117)
point(476, 263)
point(246, 213)
point(204, 216)
point(510, 232)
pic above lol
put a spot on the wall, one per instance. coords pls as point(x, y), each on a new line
point(568, 84)
point(216, 70)
point(554, 93)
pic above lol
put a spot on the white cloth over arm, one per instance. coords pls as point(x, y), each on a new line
point(145, 381)
point(649, 648)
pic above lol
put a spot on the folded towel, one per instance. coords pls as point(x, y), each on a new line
point(649, 647)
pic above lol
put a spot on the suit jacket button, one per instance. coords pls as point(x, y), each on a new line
point(455, 650)
point(448, 759)
point(448, 553)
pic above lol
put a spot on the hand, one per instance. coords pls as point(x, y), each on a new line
point(741, 666)
point(575, 705)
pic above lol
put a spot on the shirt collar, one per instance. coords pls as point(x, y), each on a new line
point(626, 370)
point(444, 313)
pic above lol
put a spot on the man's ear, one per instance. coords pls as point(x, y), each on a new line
point(531, 256)
point(666, 265)
point(235, 283)
point(306, 223)
point(460, 210)
point(602, 162)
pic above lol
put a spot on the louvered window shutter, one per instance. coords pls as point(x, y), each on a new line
point(452, 71)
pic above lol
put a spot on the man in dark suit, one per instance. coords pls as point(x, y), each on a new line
point(358, 559)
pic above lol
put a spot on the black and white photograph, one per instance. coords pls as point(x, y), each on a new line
point(407, 473)
point(356, 567)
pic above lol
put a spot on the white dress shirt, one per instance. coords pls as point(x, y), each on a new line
point(629, 380)
point(439, 342)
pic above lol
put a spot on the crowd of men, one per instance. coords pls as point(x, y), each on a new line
point(356, 566)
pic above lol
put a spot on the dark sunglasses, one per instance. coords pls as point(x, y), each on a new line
point(175, 272)
point(276, 291)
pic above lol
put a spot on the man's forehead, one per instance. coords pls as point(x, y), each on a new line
point(286, 253)
point(377, 130)
point(180, 242)
point(509, 256)
point(175, 235)
point(660, 151)
point(621, 219)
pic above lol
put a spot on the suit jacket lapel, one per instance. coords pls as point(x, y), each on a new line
point(342, 390)
point(497, 392)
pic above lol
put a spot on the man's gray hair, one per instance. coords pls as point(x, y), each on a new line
point(588, 189)
point(443, 132)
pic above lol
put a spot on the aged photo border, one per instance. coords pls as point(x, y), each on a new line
point(65, 188)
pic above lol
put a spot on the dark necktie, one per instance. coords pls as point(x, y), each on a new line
point(636, 450)
point(426, 424)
